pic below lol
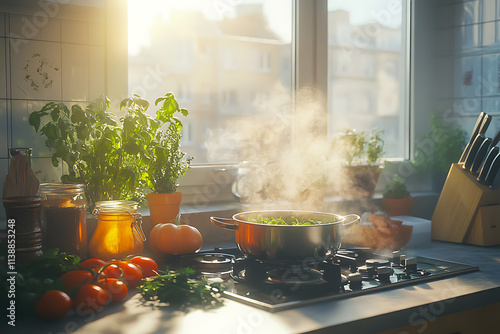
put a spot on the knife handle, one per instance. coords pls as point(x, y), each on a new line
point(487, 164)
point(473, 151)
point(493, 171)
point(481, 154)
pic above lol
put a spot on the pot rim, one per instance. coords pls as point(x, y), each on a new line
point(339, 218)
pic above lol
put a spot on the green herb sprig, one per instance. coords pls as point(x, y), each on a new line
point(180, 290)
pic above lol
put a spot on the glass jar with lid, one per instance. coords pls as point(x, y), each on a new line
point(64, 217)
point(119, 230)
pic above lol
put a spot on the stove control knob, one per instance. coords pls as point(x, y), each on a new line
point(355, 281)
point(384, 273)
point(411, 265)
point(395, 257)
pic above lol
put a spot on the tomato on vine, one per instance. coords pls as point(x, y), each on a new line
point(53, 305)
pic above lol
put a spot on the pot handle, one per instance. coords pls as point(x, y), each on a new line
point(351, 219)
point(226, 223)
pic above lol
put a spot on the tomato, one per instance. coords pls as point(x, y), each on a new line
point(53, 305)
point(175, 239)
point(75, 278)
point(92, 263)
point(147, 264)
point(90, 297)
point(117, 290)
point(131, 272)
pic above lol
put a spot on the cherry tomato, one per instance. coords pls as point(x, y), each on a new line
point(147, 264)
point(90, 297)
point(92, 263)
point(75, 278)
point(131, 272)
point(53, 305)
point(117, 290)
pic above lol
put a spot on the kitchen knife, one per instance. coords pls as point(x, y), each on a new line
point(493, 177)
point(473, 151)
point(480, 156)
point(475, 132)
point(487, 164)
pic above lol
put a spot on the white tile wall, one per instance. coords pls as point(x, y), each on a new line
point(3, 130)
point(96, 72)
point(45, 171)
point(96, 37)
point(491, 105)
point(3, 74)
point(75, 72)
point(467, 77)
point(37, 27)
point(489, 10)
point(23, 134)
point(490, 73)
point(36, 71)
point(489, 33)
point(75, 32)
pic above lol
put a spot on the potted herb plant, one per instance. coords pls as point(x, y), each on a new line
point(164, 162)
point(115, 158)
point(396, 197)
point(361, 154)
point(441, 146)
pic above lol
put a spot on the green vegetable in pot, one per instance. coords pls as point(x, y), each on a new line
point(289, 221)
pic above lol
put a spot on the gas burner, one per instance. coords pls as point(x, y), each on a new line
point(294, 276)
point(211, 264)
point(290, 276)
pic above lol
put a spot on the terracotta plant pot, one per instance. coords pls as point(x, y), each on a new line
point(359, 181)
point(398, 206)
point(163, 208)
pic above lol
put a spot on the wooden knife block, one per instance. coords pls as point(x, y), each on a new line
point(467, 211)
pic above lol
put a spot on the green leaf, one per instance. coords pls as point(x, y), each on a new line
point(51, 131)
point(54, 114)
point(34, 120)
point(184, 112)
point(131, 148)
point(55, 162)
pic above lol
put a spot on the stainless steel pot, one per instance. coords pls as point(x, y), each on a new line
point(287, 243)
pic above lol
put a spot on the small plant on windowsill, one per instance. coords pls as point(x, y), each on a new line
point(396, 197)
point(165, 163)
point(362, 155)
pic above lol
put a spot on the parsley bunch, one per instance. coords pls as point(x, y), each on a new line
point(178, 289)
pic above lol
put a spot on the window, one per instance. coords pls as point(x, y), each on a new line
point(239, 61)
point(214, 56)
point(367, 47)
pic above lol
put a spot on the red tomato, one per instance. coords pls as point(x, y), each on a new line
point(92, 263)
point(117, 290)
point(75, 278)
point(131, 272)
point(53, 305)
point(90, 297)
point(147, 264)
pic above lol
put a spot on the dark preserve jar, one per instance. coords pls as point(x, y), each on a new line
point(64, 217)
point(24, 213)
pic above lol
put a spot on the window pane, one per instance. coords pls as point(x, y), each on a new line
point(217, 58)
point(367, 70)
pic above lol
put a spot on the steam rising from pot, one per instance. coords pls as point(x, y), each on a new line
point(285, 157)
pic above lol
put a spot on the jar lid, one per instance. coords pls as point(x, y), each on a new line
point(61, 187)
point(115, 206)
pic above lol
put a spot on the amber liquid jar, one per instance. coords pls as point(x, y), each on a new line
point(119, 230)
point(64, 217)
